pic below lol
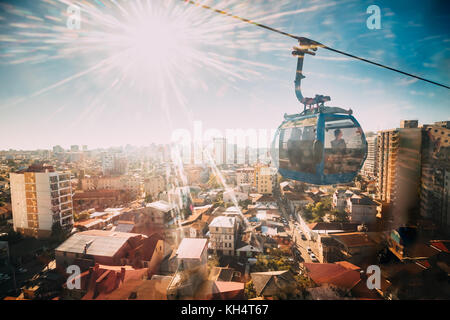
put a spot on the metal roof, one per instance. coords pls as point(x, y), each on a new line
point(223, 222)
point(191, 248)
point(105, 243)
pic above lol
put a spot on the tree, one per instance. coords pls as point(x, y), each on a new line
point(339, 216)
point(213, 181)
point(245, 203)
point(58, 233)
point(213, 261)
point(148, 198)
point(84, 215)
point(295, 290)
point(249, 290)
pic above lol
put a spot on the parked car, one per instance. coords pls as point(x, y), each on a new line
point(313, 257)
point(309, 250)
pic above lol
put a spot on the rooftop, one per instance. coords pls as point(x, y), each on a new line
point(191, 248)
point(223, 222)
point(161, 205)
point(353, 239)
point(96, 242)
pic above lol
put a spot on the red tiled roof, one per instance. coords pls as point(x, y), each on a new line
point(424, 264)
point(348, 265)
point(440, 245)
point(334, 274)
point(266, 198)
point(353, 239)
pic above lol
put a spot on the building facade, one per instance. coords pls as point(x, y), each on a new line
point(435, 180)
point(369, 169)
point(41, 197)
point(399, 171)
point(223, 235)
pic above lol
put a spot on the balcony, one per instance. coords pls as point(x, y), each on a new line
point(64, 185)
point(66, 214)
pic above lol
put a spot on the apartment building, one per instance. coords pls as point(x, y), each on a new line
point(154, 185)
point(245, 176)
point(114, 164)
point(41, 197)
point(265, 177)
point(435, 180)
point(399, 169)
point(220, 150)
point(369, 169)
point(129, 183)
point(222, 232)
point(361, 209)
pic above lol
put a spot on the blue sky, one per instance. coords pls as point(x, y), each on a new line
point(93, 110)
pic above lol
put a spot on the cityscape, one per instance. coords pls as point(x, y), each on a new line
point(313, 209)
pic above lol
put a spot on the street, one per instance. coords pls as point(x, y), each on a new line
point(300, 244)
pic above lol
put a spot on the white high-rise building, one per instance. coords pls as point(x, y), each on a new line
point(114, 164)
point(41, 197)
point(369, 168)
point(220, 151)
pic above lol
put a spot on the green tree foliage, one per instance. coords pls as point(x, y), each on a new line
point(58, 233)
point(339, 216)
point(249, 290)
point(273, 262)
point(245, 203)
point(213, 181)
point(148, 198)
point(84, 215)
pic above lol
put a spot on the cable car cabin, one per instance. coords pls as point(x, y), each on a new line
point(320, 148)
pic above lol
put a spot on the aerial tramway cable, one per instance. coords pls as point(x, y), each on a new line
point(312, 42)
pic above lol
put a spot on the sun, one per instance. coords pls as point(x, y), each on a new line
point(156, 42)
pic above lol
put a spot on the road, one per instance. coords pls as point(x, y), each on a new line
point(301, 245)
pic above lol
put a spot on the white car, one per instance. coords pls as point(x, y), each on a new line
point(313, 257)
point(309, 250)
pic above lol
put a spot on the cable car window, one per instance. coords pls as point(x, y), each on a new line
point(344, 146)
point(296, 145)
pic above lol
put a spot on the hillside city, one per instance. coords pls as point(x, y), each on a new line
point(149, 223)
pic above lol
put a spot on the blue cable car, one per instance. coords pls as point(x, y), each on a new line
point(321, 145)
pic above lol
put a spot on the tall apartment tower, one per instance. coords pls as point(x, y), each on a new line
point(114, 164)
point(369, 169)
point(220, 150)
point(399, 170)
point(41, 197)
point(435, 181)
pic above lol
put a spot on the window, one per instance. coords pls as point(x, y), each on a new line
point(344, 148)
point(296, 145)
